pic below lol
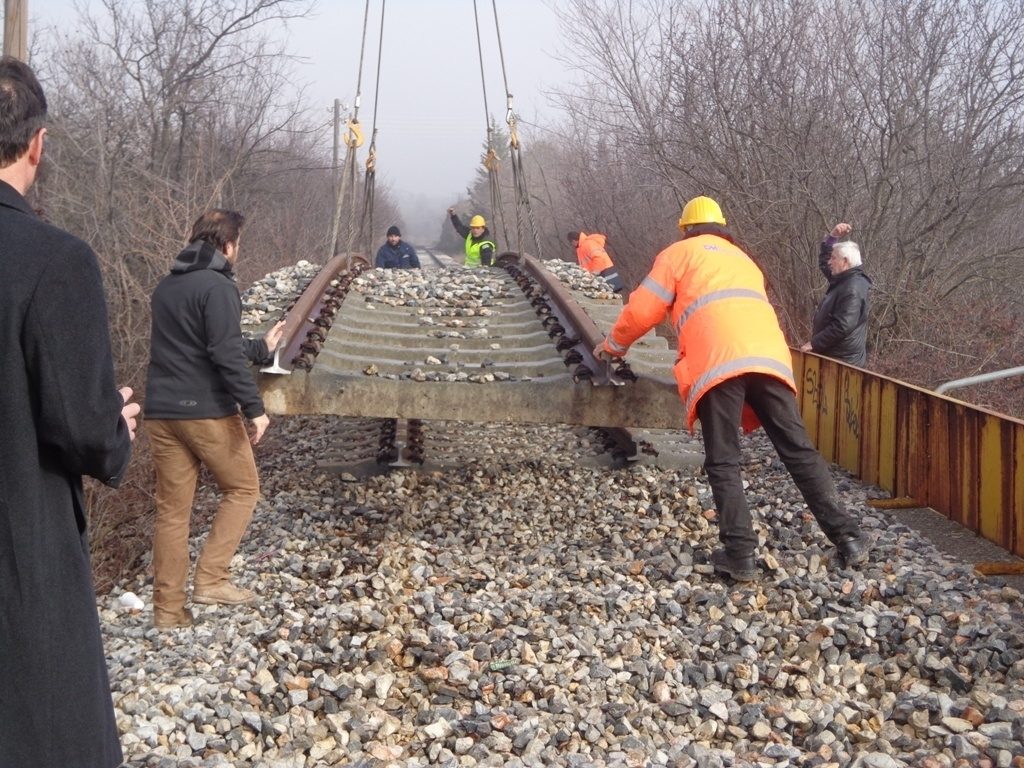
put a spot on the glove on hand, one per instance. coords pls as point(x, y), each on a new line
point(601, 353)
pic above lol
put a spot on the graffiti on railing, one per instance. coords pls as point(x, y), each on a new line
point(812, 388)
point(852, 416)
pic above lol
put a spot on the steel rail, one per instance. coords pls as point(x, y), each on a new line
point(302, 317)
point(580, 325)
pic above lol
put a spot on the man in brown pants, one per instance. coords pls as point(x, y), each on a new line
point(198, 379)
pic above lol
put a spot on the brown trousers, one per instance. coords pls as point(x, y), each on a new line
point(178, 447)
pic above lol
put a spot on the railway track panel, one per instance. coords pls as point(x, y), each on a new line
point(473, 345)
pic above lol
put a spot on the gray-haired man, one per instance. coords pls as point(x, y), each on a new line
point(840, 327)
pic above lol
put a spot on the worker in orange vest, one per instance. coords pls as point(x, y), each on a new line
point(593, 257)
point(734, 369)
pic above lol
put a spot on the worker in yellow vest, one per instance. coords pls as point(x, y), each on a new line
point(734, 369)
point(480, 249)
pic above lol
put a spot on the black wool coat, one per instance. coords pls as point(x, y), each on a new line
point(61, 418)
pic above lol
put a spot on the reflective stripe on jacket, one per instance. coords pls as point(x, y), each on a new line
point(473, 249)
point(715, 296)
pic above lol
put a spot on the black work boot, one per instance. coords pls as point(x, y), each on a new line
point(853, 550)
point(739, 568)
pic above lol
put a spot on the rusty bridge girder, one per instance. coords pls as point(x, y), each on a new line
point(925, 449)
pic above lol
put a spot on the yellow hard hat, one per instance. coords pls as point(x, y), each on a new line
point(701, 210)
point(477, 221)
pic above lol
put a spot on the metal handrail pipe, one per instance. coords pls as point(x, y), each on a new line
point(979, 379)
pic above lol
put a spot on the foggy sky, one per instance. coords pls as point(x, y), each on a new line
point(430, 118)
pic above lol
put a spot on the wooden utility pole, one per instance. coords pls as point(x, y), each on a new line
point(337, 140)
point(16, 29)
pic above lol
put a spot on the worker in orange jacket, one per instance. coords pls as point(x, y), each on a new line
point(734, 369)
point(593, 257)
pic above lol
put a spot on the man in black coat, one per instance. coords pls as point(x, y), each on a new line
point(840, 327)
point(63, 417)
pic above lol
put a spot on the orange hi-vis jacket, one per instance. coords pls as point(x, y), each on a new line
point(716, 296)
point(591, 253)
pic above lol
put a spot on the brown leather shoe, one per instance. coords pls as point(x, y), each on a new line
point(223, 594)
point(171, 620)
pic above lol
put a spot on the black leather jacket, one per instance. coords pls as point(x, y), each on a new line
point(840, 328)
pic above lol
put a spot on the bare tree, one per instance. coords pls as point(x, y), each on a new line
point(161, 109)
point(164, 109)
point(904, 118)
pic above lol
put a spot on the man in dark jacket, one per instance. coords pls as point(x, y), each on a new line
point(396, 253)
point(840, 327)
point(198, 378)
point(63, 418)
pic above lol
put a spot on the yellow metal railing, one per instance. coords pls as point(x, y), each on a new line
point(961, 460)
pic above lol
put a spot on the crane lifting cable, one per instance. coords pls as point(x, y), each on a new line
point(370, 179)
point(522, 194)
point(490, 161)
point(369, 191)
point(353, 140)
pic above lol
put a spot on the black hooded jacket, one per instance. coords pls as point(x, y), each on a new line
point(840, 327)
point(199, 360)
